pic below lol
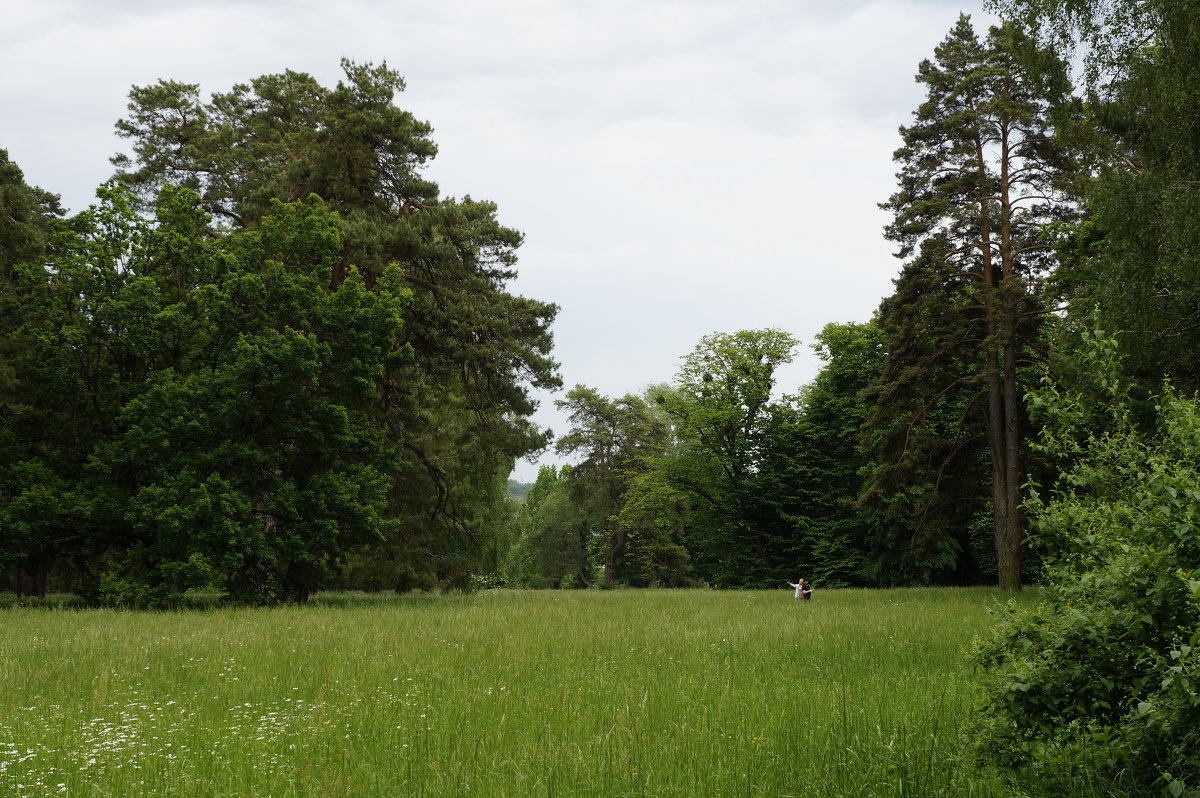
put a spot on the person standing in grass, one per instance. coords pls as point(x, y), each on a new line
point(803, 588)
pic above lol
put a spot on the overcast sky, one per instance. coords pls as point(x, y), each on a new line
point(678, 168)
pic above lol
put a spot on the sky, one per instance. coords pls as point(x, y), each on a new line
point(678, 167)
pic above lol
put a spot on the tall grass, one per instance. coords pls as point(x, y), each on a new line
point(624, 693)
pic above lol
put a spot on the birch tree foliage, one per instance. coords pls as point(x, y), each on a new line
point(1135, 257)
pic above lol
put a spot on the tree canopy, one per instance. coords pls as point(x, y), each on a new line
point(306, 202)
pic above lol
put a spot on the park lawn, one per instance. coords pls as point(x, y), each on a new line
point(501, 693)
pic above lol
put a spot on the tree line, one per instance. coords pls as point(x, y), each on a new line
point(903, 462)
point(271, 355)
point(273, 358)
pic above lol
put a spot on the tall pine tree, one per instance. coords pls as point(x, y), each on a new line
point(982, 173)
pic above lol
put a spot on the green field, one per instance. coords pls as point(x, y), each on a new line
point(622, 693)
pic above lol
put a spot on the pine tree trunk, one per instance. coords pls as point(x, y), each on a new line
point(1003, 438)
point(1008, 534)
point(1003, 412)
point(1005, 520)
point(1008, 537)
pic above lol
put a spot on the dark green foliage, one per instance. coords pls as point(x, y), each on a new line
point(200, 407)
point(26, 220)
point(1144, 277)
point(1100, 678)
point(1143, 235)
point(721, 410)
point(982, 173)
point(615, 440)
point(25, 214)
point(459, 407)
point(929, 477)
point(812, 458)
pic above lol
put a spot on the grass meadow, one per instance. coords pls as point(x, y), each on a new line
point(502, 693)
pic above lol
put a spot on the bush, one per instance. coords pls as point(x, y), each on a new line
point(1099, 679)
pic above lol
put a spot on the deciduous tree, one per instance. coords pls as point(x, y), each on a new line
point(721, 409)
point(202, 405)
point(813, 458)
point(1143, 235)
point(460, 407)
point(31, 494)
point(614, 439)
point(1098, 678)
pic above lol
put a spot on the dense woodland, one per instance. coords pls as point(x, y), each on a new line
point(273, 358)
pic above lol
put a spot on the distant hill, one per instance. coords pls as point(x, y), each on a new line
point(518, 489)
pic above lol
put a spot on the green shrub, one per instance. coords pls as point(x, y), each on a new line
point(1098, 681)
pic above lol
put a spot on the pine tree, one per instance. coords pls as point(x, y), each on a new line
point(981, 175)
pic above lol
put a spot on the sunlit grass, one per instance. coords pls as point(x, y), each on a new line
point(658, 693)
